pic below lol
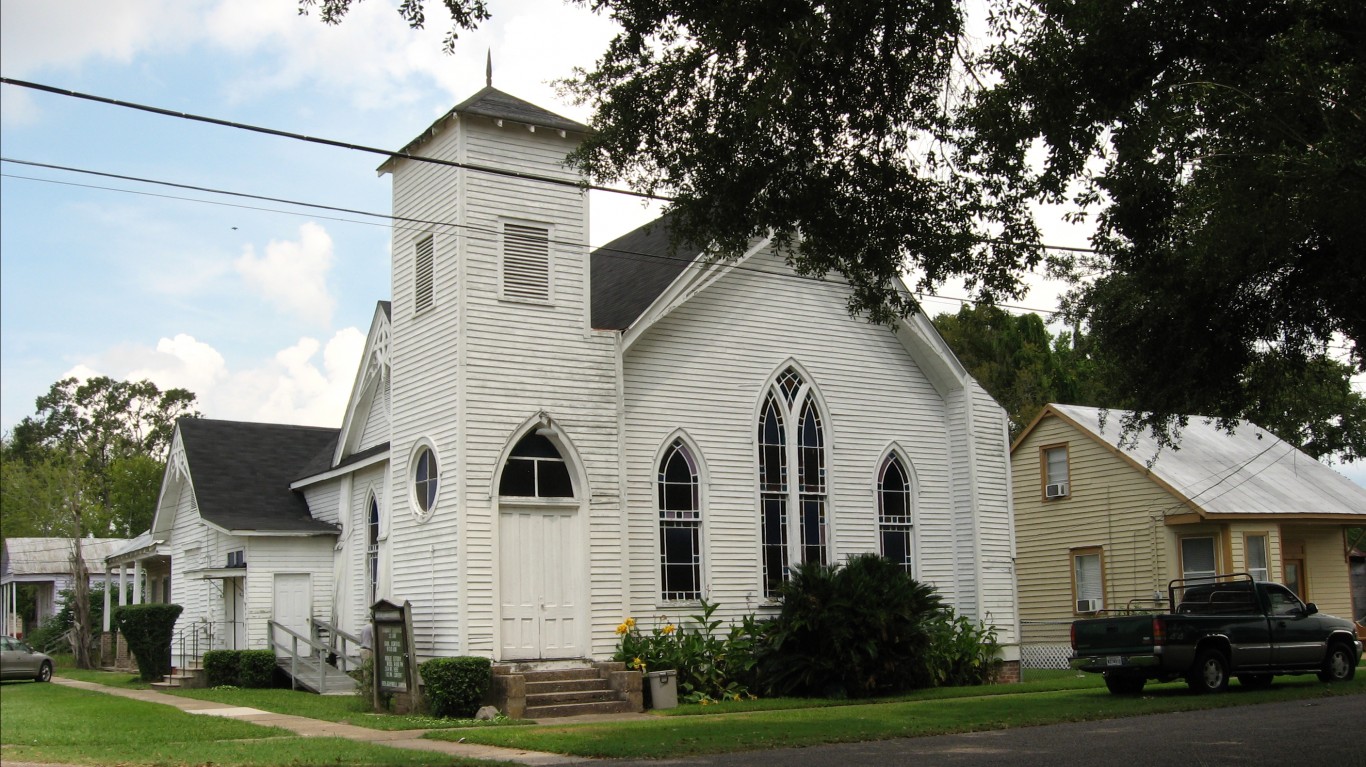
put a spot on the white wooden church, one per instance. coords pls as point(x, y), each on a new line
point(543, 440)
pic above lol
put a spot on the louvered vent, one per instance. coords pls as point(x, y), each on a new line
point(526, 262)
point(422, 274)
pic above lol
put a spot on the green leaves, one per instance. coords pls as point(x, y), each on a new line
point(454, 686)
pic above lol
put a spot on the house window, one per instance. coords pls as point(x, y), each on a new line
point(895, 522)
point(786, 536)
point(372, 554)
point(1056, 480)
point(237, 558)
point(425, 481)
point(1254, 548)
point(526, 262)
point(535, 469)
point(1197, 558)
point(423, 271)
point(1088, 580)
point(680, 524)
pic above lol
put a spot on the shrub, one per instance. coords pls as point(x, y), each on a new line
point(240, 668)
point(148, 629)
point(221, 668)
point(709, 666)
point(51, 636)
point(962, 652)
point(849, 631)
point(455, 686)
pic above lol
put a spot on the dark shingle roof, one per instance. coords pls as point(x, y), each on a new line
point(388, 309)
point(493, 103)
point(630, 272)
point(242, 473)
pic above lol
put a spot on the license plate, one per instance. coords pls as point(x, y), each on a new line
point(1114, 660)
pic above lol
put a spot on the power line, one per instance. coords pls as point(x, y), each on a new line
point(387, 153)
point(406, 223)
point(391, 154)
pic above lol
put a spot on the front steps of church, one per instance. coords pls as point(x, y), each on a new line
point(565, 688)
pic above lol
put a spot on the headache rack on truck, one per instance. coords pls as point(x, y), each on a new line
point(1229, 594)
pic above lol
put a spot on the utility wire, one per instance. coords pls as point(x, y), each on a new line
point(390, 154)
point(417, 224)
point(387, 153)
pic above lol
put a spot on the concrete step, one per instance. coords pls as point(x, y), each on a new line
point(577, 709)
point(565, 685)
point(576, 696)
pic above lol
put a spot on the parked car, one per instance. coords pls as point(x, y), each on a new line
point(19, 661)
point(1215, 628)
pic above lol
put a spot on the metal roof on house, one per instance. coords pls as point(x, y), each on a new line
point(242, 472)
point(1248, 472)
point(630, 272)
point(52, 556)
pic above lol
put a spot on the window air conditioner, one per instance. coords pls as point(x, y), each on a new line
point(1088, 605)
point(1056, 490)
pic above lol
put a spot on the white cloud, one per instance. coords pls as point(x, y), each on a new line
point(307, 383)
point(293, 275)
point(66, 34)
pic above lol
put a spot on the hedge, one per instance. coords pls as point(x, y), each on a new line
point(240, 668)
point(455, 686)
point(148, 629)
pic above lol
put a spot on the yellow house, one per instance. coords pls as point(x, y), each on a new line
point(1104, 523)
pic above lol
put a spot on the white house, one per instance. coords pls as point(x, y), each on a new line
point(542, 441)
point(44, 566)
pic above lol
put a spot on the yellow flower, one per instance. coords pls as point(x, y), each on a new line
point(638, 664)
point(622, 629)
point(668, 629)
point(630, 623)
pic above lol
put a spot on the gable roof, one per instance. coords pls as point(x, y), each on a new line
point(242, 471)
point(495, 105)
point(52, 556)
point(630, 272)
point(1250, 472)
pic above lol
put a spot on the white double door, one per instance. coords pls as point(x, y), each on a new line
point(540, 579)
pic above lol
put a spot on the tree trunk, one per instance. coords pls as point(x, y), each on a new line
point(80, 603)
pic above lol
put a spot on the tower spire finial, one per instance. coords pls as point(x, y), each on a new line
point(488, 69)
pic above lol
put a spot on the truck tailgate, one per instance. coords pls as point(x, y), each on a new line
point(1118, 635)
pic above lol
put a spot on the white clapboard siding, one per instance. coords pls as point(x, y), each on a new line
point(376, 429)
point(270, 555)
point(186, 543)
point(703, 369)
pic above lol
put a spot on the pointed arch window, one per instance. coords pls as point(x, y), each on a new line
point(372, 553)
point(535, 469)
point(895, 517)
point(680, 524)
point(794, 515)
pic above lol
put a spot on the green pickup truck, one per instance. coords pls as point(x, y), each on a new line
point(1214, 628)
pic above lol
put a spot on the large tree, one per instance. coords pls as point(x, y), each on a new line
point(1222, 148)
point(1219, 148)
point(113, 434)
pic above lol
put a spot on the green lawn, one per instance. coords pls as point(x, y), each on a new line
point(50, 723)
point(347, 709)
point(932, 714)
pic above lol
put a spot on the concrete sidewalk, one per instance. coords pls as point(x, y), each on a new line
point(314, 728)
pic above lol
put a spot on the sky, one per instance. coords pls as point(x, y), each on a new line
point(260, 308)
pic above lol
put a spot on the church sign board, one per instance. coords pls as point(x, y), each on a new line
point(395, 654)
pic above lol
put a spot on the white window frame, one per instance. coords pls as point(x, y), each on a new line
point(1051, 477)
point(792, 393)
point(423, 509)
point(523, 259)
point(680, 519)
point(424, 273)
point(373, 515)
point(903, 524)
point(1262, 573)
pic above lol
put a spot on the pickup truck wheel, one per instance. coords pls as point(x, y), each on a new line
point(1338, 665)
point(1255, 681)
point(1210, 672)
point(1125, 684)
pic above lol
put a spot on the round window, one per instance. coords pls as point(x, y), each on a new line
point(425, 480)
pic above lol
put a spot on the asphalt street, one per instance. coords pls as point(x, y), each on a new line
point(1327, 731)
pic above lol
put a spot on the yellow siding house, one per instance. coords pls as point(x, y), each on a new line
point(1104, 523)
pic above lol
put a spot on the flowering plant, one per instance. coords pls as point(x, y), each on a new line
point(711, 664)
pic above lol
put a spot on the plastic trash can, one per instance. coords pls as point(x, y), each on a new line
point(663, 689)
